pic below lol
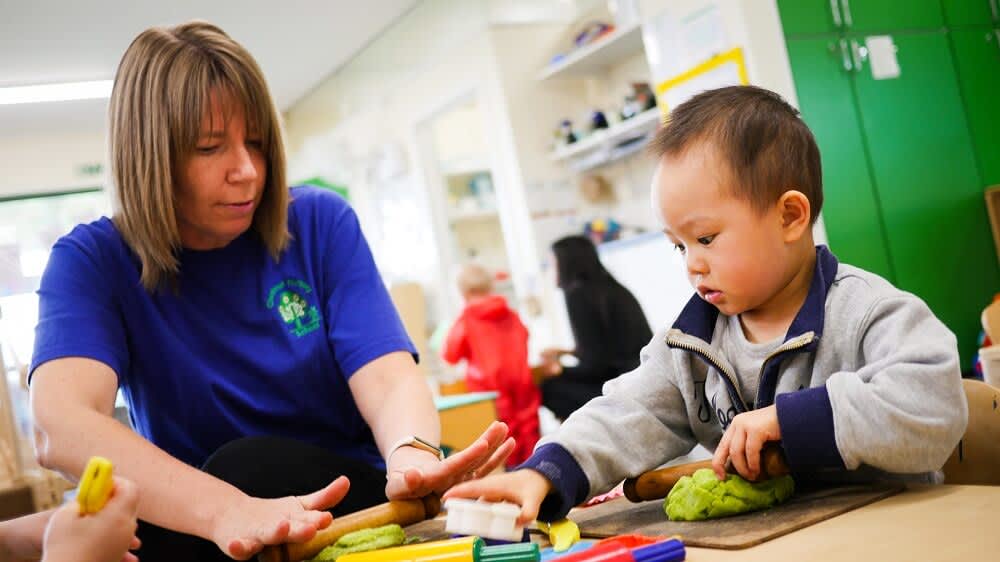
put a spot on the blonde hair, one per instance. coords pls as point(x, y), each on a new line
point(161, 94)
point(473, 279)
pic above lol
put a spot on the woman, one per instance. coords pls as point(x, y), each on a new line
point(608, 326)
point(246, 324)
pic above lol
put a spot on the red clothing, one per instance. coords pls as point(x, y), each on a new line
point(494, 343)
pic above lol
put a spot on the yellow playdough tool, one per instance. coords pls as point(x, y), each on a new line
point(562, 534)
point(95, 485)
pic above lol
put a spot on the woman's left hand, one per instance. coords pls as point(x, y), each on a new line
point(415, 473)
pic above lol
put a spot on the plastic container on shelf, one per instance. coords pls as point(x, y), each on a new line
point(990, 358)
point(484, 519)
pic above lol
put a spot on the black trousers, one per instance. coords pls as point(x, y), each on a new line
point(266, 467)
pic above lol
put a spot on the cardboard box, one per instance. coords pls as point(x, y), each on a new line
point(412, 307)
point(992, 195)
point(16, 500)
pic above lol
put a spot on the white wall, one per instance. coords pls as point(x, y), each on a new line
point(439, 53)
point(47, 162)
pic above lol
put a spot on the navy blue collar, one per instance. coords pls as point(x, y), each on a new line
point(698, 317)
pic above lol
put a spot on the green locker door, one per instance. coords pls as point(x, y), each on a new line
point(805, 17)
point(851, 211)
point(891, 15)
point(926, 177)
point(977, 56)
point(971, 12)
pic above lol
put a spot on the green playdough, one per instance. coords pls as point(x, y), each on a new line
point(702, 496)
point(363, 541)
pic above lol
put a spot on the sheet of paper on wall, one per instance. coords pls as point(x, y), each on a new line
point(882, 57)
point(704, 34)
point(679, 38)
point(724, 75)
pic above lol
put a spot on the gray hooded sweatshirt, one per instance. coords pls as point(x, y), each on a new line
point(866, 384)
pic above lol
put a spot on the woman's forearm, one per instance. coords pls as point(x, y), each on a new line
point(395, 400)
point(173, 494)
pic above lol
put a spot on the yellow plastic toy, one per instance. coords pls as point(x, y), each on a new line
point(95, 485)
point(562, 534)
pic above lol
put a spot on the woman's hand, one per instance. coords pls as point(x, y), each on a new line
point(105, 536)
point(552, 354)
point(254, 523)
point(414, 473)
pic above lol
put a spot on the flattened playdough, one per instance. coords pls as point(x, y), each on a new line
point(363, 541)
point(702, 496)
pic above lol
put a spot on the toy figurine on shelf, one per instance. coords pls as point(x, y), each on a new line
point(566, 132)
point(592, 32)
point(640, 99)
point(598, 120)
point(644, 95)
point(602, 230)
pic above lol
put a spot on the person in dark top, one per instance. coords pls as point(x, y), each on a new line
point(609, 328)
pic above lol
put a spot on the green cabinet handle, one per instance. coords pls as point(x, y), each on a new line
point(844, 57)
point(846, 6)
point(836, 13)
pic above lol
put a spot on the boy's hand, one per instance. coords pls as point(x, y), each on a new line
point(743, 440)
point(527, 488)
point(105, 536)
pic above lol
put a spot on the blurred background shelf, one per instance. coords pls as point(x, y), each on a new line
point(599, 55)
point(473, 215)
point(608, 140)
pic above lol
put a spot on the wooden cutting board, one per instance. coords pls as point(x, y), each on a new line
point(620, 516)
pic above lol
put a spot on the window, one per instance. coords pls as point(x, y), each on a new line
point(29, 226)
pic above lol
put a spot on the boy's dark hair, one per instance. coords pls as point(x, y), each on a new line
point(757, 134)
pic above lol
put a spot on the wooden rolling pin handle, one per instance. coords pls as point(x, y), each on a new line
point(401, 512)
point(656, 484)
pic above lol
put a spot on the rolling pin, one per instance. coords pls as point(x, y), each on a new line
point(656, 484)
point(401, 512)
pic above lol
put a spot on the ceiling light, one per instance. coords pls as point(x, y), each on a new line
point(66, 91)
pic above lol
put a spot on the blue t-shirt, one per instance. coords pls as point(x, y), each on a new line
point(245, 346)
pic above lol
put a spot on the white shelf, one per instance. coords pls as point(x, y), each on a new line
point(599, 55)
point(464, 167)
point(472, 216)
point(607, 138)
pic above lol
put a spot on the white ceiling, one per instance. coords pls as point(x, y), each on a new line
point(297, 43)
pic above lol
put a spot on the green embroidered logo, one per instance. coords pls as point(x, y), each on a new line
point(294, 309)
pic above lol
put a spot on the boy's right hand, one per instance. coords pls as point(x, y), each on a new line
point(526, 488)
point(105, 536)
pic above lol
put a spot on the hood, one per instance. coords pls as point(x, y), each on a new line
point(492, 307)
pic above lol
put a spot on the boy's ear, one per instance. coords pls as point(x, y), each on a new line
point(795, 213)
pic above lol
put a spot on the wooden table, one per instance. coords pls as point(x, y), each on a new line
point(932, 523)
point(938, 523)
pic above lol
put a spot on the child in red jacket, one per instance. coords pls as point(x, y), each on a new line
point(494, 343)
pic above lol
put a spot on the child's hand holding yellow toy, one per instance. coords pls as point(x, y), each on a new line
point(101, 526)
